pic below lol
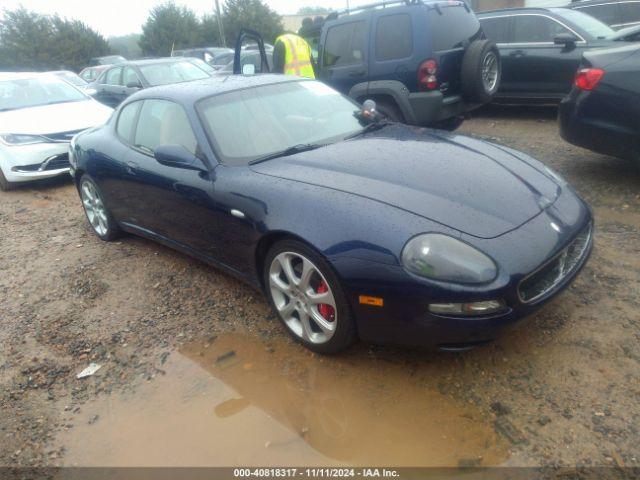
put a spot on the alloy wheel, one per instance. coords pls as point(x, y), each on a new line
point(94, 208)
point(303, 298)
point(490, 72)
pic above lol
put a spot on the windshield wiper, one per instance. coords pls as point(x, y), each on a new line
point(303, 147)
point(371, 127)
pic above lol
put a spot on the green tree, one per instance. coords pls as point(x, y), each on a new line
point(169, 26)
point(209, 33)
point(31, 41)
point(314, 11)
point(253, 14)
point(126, 45)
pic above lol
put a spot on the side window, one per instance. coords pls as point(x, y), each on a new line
point(130, 77)
point(630, 12)
point(535, 29)
point(345, 45)
point(126, 119)
point(605, 13)
point(162, 122)
point(496, 29)
point(113, 76)
point(394, 37)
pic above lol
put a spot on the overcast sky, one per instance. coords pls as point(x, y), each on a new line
point(120, 17)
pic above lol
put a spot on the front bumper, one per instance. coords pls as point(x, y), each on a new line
point(404, 319)
point(25, 163)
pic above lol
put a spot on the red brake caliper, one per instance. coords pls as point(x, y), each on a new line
point(326, 311)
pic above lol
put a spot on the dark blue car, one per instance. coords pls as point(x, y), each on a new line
point(354, 228)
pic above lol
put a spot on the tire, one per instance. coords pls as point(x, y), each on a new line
point(5, 185)
point(450, 124)
point(389, 109)
point(330, 328)
point(481, 71)
point(100, 219)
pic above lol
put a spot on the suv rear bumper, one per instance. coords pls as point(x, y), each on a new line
point(419, 108)
point(431, 107)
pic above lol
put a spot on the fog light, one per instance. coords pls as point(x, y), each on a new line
point(474, 309)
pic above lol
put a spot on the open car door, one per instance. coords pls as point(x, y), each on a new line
point(242, 63)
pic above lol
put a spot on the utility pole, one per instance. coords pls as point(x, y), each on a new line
point(347, 4)
point(223, 41)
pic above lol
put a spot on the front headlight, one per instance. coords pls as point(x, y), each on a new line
point(444, 258)
point(19, 139)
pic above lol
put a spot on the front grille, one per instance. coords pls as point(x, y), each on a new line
point(52, 163)
point(553, 273)
point(62, 136)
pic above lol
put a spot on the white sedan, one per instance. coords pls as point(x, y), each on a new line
point(39, 115)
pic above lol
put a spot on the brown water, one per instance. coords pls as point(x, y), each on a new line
point(280, 406)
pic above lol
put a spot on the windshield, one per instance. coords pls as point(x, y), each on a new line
point(203, 65)
point(249, 124)
point(72, 78)
point(33, 92)
point(589, 24)
point(223, 59)
point(172, 72)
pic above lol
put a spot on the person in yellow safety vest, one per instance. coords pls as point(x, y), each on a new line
point(292, 56)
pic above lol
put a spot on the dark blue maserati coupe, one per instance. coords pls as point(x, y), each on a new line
point(352, 226)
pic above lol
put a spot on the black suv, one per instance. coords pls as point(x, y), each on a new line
point(424, 63)
point(615, 13)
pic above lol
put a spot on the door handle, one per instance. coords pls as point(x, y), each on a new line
point(131, 167)
point(518, 53)
point(357, 73)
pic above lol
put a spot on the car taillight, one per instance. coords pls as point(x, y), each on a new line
point(427, 72)
point(588, 78)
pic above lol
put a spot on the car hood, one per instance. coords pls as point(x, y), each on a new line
point(469, 185)
point(56, 118)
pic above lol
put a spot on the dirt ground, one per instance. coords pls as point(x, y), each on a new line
point(195, 369)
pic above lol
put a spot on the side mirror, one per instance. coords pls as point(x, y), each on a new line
point(565, 39)
point(369, 109)
point(248, 69)
point(177, 156)
point(134, 85)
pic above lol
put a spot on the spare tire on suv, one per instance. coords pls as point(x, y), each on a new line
point(481, 71)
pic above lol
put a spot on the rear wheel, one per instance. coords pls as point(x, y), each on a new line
point(390, 110)
point(450, 124)
point(481, 71)
point(101, 221)
point(4, 184)
point(308, 298)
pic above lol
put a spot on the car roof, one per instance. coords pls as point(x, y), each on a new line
point(584, 3)
point(191, 92)
point(516, 10)
point(5, 76)
point(148, 61)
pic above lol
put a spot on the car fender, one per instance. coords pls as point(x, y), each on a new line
point(390, 88)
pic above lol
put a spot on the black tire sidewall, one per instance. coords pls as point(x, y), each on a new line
point(473, 86)
point(5, 185)
point(113, 231)
point(390, 111)
point(345, 333)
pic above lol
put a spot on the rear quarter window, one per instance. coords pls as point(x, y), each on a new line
point(496, 29)
point(450, 25)
point(394, 37)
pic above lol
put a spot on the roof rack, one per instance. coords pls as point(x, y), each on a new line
point(383, 4)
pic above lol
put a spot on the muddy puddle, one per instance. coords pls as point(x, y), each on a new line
point(240, 401)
